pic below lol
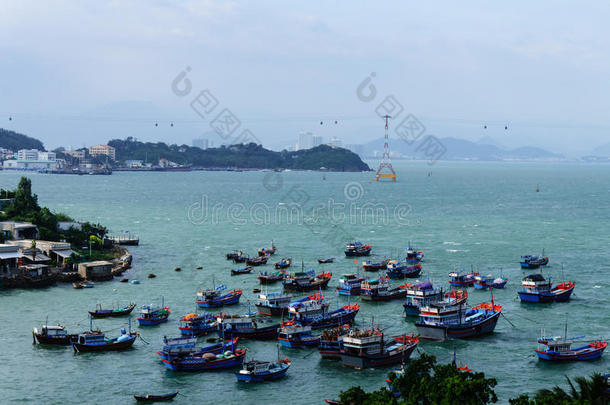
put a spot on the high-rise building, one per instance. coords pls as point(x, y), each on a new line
point(335, 142)
point(317, 141)
point(98, 150)
point(200, 143)
point(305, 141)
point(27, 154)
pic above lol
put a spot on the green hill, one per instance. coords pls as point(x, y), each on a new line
point(15, 141)
point(249, 156)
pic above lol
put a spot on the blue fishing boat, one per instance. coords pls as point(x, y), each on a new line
point(370, 266)
point(559, 348)
point(379, 290)
point(533, 262)
point(306, 281)
point(97, 341)
point(413, 256)
point(245, 270)
point(398, 269)
point(151, 315)
point(283, 264)
point(421, 295)
point(484, 282)
point(247, 326)
point(215, 298)
point(314, 312)
point(462, 279)
point(273, 304)
point(441, 322)
point(349, 284)
point(183, 347)
point(197, 324)
point(294, 335)
point(331, 342)
point(368, 349)
point(259, 371)
point(357, 249)
point(232, 255)
point(207, 361)
point(536, 289)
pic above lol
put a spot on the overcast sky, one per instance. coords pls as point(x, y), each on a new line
point(75, 73)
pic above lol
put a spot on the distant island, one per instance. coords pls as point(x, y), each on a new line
point(240, 156)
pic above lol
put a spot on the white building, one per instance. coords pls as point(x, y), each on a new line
point(32, 159)
point(305, 141)
point(335, 142)
point(99, 150)
point(27, 154)
point(200, 143)
point(317, 141)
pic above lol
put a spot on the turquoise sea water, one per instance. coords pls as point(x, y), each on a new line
point(462, 214)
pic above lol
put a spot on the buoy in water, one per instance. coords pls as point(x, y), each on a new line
point(124, 280)
point(177, 269)
point(151, 275)
point(199, 267)
point(135, 282)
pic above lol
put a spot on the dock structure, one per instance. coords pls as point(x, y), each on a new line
point(385, 159)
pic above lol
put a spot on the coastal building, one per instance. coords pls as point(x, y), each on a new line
point(200, 143)
point(6, 154)
point(27, 154)
point(32, 159)
point(335, 142)
point(134, 163)
point(77, 154)
point(10, 256)
point(305, 141)
point(100, 150)
point(317, 141)
point(99, 270)
point(18, 230)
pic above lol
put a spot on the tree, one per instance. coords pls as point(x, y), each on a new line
point(426, 383)
point(590, 391)
point(25, 203)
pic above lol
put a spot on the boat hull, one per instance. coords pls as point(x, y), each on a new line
point(584, 355)
point(266, 333)
point(220, 302)
point(320, 285)
point(261, 377)
point(60, 341)
point(360, 362)
point(199, 364)
point(271, 311)
point(110, 313)
point(152, 322)
point(463, 331)
point(80, 348)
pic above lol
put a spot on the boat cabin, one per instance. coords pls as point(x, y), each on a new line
point(536, 282)
point(274, 299)
point(423, 294)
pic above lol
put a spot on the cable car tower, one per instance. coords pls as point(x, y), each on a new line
point(385, 159)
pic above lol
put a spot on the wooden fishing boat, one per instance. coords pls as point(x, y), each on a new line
point(215, 298)
point(370, 266)
point(232, 255)
point(240, 259)
point(283, 264)
point(197, 324)
point(413, 256)
point(460, 279)
point(185, 347)
point(270, 278)
point(294, 335)
point(397, 269)
point(324, 261)
point(267, 252)
point(307, 281)
point(151, 315)
point(155, 397)
point(357, 249)
point(314, 312)
point(421, 295)
point(273, 304)
point(247, 327)
point(536, 289)
point(245, 270)
point(53, 335)
point(378, 290)
point(485, 282)
point(533, 262)
point(96, 341)
point(350, 284)
point(559, 348)
point(259, 371)
point(257, 261)
point(331, 342)
point(110, 313)
point(367, 349)
point(207, 361)
point(457, 322)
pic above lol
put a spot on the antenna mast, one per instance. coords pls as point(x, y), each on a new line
point(385, 159)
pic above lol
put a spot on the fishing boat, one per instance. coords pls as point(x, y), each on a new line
point(307, 281)
point(461, 279)
point(97, 341)
point(413, 256)
point(247, 327)
point(257, 261)
point(397, 269)
point(184, 347)
point(484, 282)
point(273, 304)
point(283, 264)
point(241, 258)
point(267, 252)
point(350, 284)
point(245, 270)
point(536, 289)
point(215, 297)
point(232, 255)
point(357, 249)
point(270, 278)
point(379, 290)
point(302, 312)
point(259, 371)
point(294, 335)
point(323, 261)
point(441, 322)
point(155, 397)
point(110, 313)
point(368, 349)
point(331, 342)
point(83, 284)
point(559, 348)
point(421, 295)
point(454, 297)
point(207, 361)
point(533, 262)
point(197, 324)
point(53, 335)
point(151, 315)
point(370, 266)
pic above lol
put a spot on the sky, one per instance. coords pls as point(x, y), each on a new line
point(75, 73)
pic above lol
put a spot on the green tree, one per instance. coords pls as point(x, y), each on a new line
point(25, 203)
point(588, 391)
